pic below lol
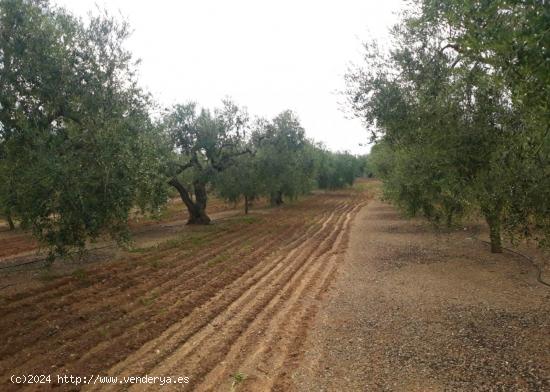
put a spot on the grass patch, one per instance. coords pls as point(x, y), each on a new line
point(372, 186)
point(246, 219)
point(155, 264)
point(361, 186)
point(222, 257)
point(169, 211)
point(104, 331)
point(146, 301)
point(197, 240)
point(246, 248)
point(81, 275)
point(48, 276)
point(141, 250)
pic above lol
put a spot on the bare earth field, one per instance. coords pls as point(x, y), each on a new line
point(18, 246)
point(235, 296)
point(335, 292)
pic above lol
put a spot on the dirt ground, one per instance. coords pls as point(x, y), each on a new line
point(18, 246)
point(417, 310)
point(335, 292)
point(233, 298)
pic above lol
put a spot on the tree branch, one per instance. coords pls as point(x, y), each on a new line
point(222, 164)
point(181, 167)
point(184, 193)
point(455, 47)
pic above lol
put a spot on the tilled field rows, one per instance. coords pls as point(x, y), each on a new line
point(237, 300)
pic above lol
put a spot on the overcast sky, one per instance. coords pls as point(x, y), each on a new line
point(267, 55)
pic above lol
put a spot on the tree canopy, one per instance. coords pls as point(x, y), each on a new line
point(76, 142)
point(204, 144)
point(459, 107)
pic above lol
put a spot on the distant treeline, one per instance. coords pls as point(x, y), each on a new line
point(460, 109)
point(80, 148)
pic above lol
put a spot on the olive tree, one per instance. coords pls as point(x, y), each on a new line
point(242, 180)
point(204, 144)
point(76, 142)
point(285, 158)
point(453, 123)
point(336, 169)
point(510, 38)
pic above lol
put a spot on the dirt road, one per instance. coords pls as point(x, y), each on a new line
point(413, 310)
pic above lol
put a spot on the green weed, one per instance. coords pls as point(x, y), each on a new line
point(81, 275)
point(47, 275)
point(237, 379)
point(218, 259)
point(146, 301)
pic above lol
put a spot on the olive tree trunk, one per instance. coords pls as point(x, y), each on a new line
point(10, 221)
point(197, 208)
point(493, 220)
point(277, 198)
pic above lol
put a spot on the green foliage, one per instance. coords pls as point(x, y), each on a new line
point(240, 180)
point(77, 147)
point(237, 378)
point(285, 161)
point(204, 145)
point(460, 109)
point(206, 141)
point(281, 163)
point(337, 170)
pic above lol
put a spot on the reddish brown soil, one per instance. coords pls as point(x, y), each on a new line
point(236, 296)
point(246, 304)
point(18, 246)
point(14, 243)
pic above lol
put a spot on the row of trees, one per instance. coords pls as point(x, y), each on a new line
point(240, 159)
point(460, 110)
point(79, 148)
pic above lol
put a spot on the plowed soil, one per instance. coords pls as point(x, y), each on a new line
point(18, 246)
point(232, 298)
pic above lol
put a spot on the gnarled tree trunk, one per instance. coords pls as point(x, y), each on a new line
point(199, 217)
point(197, 208)
point(277, 198)
point(10, 221)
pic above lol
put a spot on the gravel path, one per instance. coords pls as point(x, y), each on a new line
point(411, 310)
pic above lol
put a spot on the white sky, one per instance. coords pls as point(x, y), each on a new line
point(266, 55)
